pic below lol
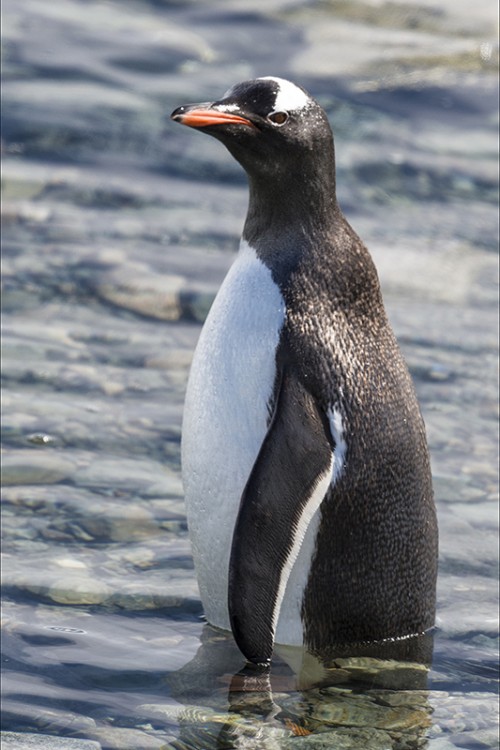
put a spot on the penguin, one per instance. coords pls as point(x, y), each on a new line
point(304, 455)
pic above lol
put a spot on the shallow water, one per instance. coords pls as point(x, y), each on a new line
point(117, 229)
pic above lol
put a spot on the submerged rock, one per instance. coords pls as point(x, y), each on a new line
point(31, 467)
point(77, 590)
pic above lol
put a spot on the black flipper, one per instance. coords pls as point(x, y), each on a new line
point(295, 460)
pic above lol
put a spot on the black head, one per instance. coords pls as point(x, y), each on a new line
point(270, 125)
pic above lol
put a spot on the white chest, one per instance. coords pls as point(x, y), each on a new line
point(226, 415)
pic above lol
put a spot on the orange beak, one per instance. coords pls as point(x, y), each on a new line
point(201, 117)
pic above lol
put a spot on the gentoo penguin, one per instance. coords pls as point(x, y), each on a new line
point(305, 463)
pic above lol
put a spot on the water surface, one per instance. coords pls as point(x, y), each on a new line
point(118, 227)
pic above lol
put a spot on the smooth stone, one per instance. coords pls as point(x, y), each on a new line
point(79, 590)
point(157, 597)
point(130, 523)
point(342, 739)
point(119, 738)
point(142, 601)
point(361, 711)
point(132, 475)
point(168, 485)
point(408, 698)
point(70, 562)
point(49, 721)
point(28, 741)
point(169, 360)
point(139, 290)
point(140, 557)
point(32, 467)
point(391, 674)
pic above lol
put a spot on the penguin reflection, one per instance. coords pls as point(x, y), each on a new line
point(375, 695)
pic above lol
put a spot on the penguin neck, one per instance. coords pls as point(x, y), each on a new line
point(295, 207)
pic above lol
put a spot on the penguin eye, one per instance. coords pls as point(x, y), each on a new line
point(279, 118)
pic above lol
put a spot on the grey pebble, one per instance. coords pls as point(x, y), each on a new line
point(122, 738)
point(32, 467)
point(142, 292)
point(75, 589)
point(130, 474)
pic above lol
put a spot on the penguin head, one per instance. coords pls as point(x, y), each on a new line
point(270, 125)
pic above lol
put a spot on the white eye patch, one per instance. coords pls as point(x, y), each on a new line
point(289, 96)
